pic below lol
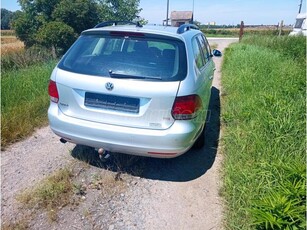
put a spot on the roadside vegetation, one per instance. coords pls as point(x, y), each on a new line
point(263, 116)
point(24, 100)
point(234, 32)
point(24, 79)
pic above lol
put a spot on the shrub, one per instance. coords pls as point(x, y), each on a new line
point(24, 58)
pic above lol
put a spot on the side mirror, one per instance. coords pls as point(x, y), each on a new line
point(217, 53)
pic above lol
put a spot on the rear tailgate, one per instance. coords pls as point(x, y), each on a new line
point(131, 102)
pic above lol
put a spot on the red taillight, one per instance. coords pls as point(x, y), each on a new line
point(53, 91)
point(186, 107)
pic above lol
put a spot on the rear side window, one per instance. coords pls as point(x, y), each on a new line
point(155, 57)
point(199, 61)
point(205, 47)
point(202, 51)
point(299, 23)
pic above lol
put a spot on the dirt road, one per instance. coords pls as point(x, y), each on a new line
point(181, 193)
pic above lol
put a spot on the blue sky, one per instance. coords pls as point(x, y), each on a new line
point(221, 11)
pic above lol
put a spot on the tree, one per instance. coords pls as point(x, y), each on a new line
point(56, 35)
point(33, 23)
point(142, 21)
point(78, 14)
point(25, 28)
point(121, 10)
point(6, 17)
point(47, 7)
point(34, 14)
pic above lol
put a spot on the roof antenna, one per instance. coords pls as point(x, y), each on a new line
point(299, 10)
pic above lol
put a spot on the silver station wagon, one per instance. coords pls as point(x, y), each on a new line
point(127, 88)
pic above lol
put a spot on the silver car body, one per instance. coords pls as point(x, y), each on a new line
point(150, 131)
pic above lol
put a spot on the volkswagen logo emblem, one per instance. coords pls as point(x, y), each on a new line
point(109, 86)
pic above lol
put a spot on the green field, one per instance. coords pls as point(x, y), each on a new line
point(264, 120)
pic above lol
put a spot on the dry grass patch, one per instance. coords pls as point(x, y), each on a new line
point(11, 47)
point(7, 33)
point(10, 43)
point(8, 39)
point(51, 194)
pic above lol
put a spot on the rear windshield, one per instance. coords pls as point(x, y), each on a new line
point(138, 55)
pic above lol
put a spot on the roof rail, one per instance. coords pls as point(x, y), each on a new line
point(185, 27)
point(115, 23)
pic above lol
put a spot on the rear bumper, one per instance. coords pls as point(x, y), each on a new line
point(168, 143)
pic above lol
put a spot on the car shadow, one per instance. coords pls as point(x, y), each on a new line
point(186, 167)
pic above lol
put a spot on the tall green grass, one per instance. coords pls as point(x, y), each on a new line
point(263, 113)
point(24, 101)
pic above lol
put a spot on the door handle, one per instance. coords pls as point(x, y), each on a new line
point(211, 77)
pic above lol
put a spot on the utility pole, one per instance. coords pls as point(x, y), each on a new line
point(193, 13)
point(280, 27)
point(241, 31)
point(167, 8)
point(299, 11)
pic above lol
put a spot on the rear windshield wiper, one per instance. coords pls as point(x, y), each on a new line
point(122, 75)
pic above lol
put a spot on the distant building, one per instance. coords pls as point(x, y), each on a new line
point(181, 17)
point(211, 24)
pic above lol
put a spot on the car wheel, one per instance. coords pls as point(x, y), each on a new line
point(200, 142)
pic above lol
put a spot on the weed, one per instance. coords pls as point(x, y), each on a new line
point(263, 114)
point(52, 193)
point(79, 189)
